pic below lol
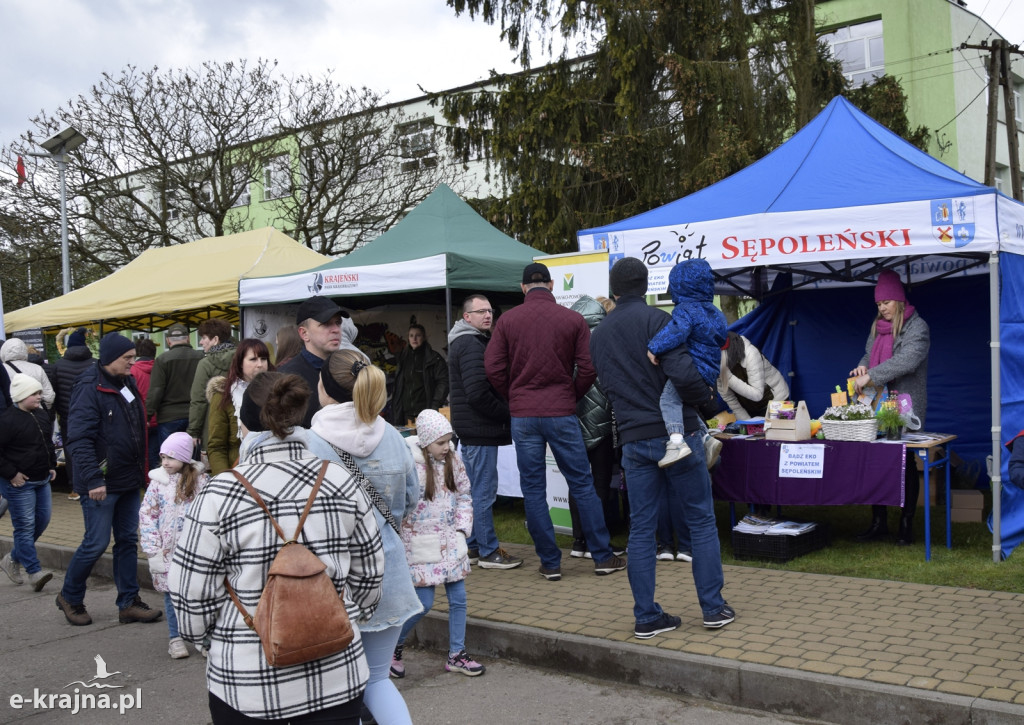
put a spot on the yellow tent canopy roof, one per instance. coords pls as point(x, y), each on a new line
point(183, 283)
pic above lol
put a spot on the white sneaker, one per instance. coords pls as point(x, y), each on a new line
point(12, 569)
point(684, 556)
point(664, 554)
point(712, 451)
point(39, 579)
point(674, 452)
point(176, 649)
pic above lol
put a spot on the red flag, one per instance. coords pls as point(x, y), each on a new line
point(22, 178)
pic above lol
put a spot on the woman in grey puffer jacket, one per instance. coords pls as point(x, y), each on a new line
point(595, 415)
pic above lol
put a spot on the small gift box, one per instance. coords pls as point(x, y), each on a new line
point(839, 399)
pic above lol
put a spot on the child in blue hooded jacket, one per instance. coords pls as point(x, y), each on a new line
point(699, 325)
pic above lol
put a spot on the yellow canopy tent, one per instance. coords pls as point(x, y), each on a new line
point(183, 283)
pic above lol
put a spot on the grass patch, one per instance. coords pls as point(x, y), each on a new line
point(968, 564)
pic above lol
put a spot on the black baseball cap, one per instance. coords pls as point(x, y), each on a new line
point(536, 272)
point(321, 309)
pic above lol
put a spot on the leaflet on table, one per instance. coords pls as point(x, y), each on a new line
point(922, 437)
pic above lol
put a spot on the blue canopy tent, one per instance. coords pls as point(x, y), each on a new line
point(841, 200)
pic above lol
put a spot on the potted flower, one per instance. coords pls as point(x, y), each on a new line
point(891, 422)
point(854, 422)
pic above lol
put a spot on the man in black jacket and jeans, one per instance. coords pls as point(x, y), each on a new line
point(481, 420)
point(618, 349)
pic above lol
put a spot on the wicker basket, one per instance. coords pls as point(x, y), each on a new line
point(850, 430)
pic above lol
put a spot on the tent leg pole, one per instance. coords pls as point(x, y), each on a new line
point(448, 307)
point(997, 435)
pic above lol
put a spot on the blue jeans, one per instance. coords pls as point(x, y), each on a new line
point(482, 468)
point(672, 409)
point(670, 521)
point(118, 512)
point(381, 696)
point(688, 486)
point(165, 429)
point(172, 618)
point(30, 515)
point(563, 435)
point(456, 593)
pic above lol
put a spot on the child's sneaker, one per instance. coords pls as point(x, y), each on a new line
point(462, 662)
point(674, 452)
point(176, 649)
point(712, 451)
point(397, 668)
point(579, 549)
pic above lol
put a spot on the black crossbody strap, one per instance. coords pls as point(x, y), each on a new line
point(371, 493)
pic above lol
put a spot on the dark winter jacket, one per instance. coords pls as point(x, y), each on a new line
point(170, 384)
point(106, 431)
point(539, 359)
point(76, 360)
point(5, 388)
point(216, 362)
point(26, 444)
point(696, 322)
point(594, 409)
point(479, 415)
point(304, 365)
point(435, 383)
point(619, 347)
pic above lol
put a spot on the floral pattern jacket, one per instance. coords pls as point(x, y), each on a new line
point(434, 532)
point(161, 519)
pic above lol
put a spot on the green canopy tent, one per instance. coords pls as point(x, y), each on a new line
point(440, 249)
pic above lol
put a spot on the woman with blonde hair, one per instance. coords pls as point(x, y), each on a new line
point(353, 393)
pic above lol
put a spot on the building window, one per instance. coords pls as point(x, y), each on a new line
point(1018, 110)
point(277, 178)
point(416, 141)
point(171, 201)
point(240, 183)
point(860, 49)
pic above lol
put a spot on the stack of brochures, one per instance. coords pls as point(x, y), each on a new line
point(751, 524)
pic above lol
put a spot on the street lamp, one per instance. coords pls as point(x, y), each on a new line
point(58, 148)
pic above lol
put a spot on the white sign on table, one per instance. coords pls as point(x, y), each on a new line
point(801, 461)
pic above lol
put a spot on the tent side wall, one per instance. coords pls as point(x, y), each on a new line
point(1011, 373)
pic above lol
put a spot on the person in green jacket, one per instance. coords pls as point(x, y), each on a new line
point(215, 339)
point(170, 383)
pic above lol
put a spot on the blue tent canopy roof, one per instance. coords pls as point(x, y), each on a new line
point(815, 169)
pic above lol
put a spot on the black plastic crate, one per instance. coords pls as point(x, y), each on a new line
point(778, 548)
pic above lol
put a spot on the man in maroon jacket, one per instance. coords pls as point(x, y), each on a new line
point(535, 350)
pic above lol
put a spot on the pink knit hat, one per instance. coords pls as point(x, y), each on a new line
point(431, 425)
point(178, 446)
point(889, 287)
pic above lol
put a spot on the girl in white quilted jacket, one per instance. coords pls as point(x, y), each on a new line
point(162, 516)
point(435, 531)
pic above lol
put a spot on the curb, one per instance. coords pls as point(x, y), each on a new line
point(729, 682)
point(54, 556)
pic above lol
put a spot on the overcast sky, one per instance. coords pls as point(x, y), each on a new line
point(54, 50)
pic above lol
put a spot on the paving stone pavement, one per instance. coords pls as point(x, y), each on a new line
point(837, 648)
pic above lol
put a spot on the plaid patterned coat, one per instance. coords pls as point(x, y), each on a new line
point(227, 534)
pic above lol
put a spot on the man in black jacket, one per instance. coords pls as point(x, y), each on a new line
point(76, 360)
point(107, 441)
point(319, 323)
point(618, 348)
point(481, 420)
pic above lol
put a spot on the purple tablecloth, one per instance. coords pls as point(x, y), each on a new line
point(854, 473)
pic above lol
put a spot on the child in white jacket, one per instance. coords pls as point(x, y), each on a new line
point(435, 531)
point(172, 488)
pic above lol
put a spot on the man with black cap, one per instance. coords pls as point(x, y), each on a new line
point(319, 322)
point(539, 360)
point(107, 442)
point(634, 386)
point(170, 383)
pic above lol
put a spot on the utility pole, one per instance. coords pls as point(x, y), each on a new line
point(999, 75)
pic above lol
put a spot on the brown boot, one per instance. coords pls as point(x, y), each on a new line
point(138, 611)
point(74, 613)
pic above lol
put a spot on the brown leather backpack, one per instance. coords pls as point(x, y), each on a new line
point(300, 617)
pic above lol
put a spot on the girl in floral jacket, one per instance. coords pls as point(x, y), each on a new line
point(435, 531)
point(172, 488)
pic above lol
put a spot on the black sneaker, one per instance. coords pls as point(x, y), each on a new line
point(579, 549)
point(665, 623)
point(552, 575)
point(615, 563)
point(721, 619)
point(474, 556)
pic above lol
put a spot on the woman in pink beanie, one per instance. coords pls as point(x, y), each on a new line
point(896, 357)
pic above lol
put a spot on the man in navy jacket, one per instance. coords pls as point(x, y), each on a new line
point(107, 441)
point(633, 385)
